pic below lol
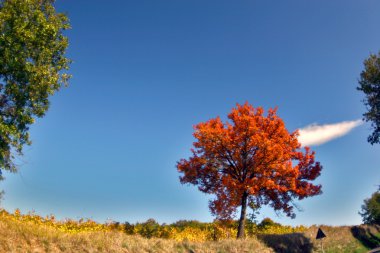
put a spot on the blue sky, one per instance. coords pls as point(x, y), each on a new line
point(145, 72)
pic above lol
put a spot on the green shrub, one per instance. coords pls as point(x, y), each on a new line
point(371, 209)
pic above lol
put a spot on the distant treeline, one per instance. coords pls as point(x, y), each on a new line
point(193, 230)
point(190, 230)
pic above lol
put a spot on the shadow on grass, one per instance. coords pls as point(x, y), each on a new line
point(369, 236)
point(287, 243)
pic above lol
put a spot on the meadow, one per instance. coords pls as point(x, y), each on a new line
point(33, 233)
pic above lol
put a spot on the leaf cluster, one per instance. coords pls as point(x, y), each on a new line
point(251, 154)
point(33, 67)
point(369, 84)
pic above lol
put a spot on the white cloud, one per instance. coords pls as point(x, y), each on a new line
point(319, 134)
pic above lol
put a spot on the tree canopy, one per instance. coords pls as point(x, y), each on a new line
point(369, 83)
point(250, 160)
point(371, 209)
point(32, 68)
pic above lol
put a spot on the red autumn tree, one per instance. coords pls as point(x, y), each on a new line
point(250, 160)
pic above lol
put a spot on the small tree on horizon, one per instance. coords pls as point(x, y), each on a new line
point(371, 209)
point(250, 160)
point(369, 84)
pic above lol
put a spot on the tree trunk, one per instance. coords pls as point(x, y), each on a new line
point(241, 232)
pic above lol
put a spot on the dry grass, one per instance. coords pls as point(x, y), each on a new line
point(27, 236)
point(339, 239)
point(17, 236)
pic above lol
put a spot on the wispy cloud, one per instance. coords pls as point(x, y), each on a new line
point(319, 134)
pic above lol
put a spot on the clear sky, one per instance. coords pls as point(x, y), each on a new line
point(145, 72)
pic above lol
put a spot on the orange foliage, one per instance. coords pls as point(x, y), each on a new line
point(250, 155)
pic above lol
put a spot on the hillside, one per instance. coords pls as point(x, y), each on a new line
point(32, 233)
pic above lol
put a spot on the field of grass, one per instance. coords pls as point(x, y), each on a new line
point(32, 233)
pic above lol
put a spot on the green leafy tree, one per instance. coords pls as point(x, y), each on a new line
point(371, 209)
point(33, 67)
point(369, 83)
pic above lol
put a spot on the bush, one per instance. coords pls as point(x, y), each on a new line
point(371, 209)
point(268, 222)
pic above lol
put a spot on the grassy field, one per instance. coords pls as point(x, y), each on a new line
point(32, 233)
